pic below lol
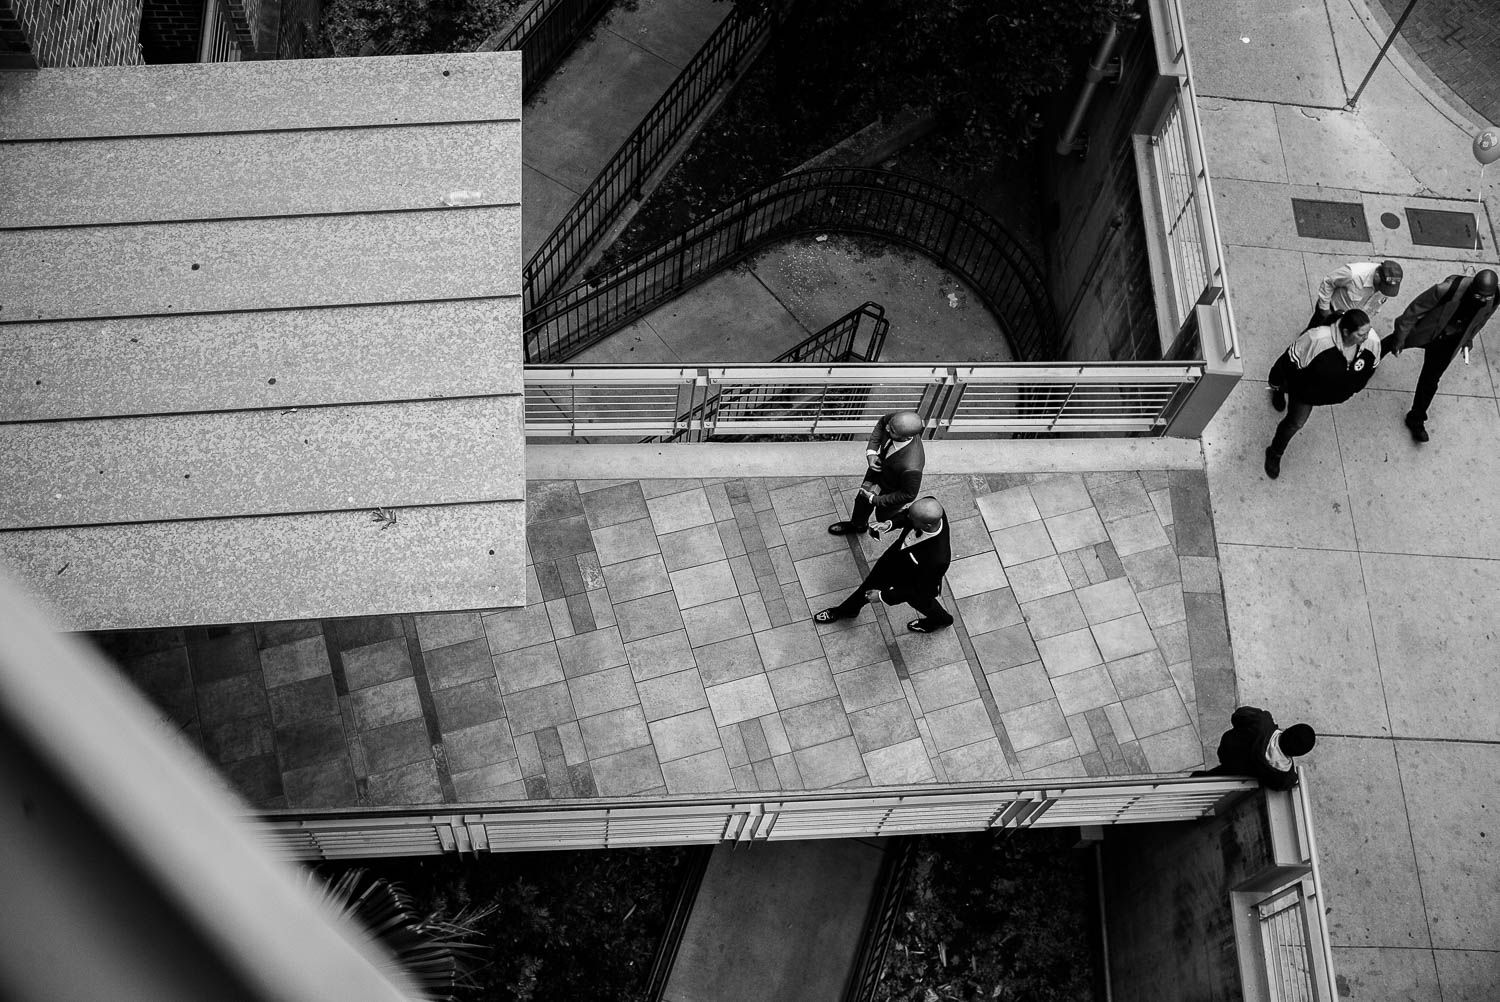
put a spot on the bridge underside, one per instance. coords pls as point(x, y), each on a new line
point(668, 651)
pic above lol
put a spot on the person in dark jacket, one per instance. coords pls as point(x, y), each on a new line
point(894, 476)
point(1255, 746)
point(1325, 365)
point(1443, 322)
point(910, 571)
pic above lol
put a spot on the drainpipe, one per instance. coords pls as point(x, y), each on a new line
point(1104, 67)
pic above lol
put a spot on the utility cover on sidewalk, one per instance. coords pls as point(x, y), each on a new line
point(1437, 228)
point(1330, 220)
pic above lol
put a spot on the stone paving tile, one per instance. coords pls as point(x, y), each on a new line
point(1136, 534)
point(982, 761)
point(1057, 495)
point(706, 772)
point(1107, 600)
point(617, 543)
point(648, 617)
point(787, 645)
point(704, 584)
point(1008, 508)
point(669, 695)
point(968, 536)
point(547, 500)
point(632, 579)
point(240, 738)
point(466, 705)
point(802, 683)
point(1161, 500)
point(1120, 638)
point(827, 765)
point(921, 651)
point(1163, 606)
point(298, 660)
point(627, 773)
point(1035, 760)
point(561, 618)
point(1084, 689)
point(385, 703)
point(266, 634)
point(1172, 641)
point(959, 724)
point(811, 538)
point(303, 701)
point(324, 784)
point(989, 611)
point(944, 686)
point(543, 706)
point(1076, 529)
point(815, 723)
point(1048, 617)
point(853, 646)
point(563, 537)
point(1021, 543)
point(975, 575)
point(512, 629)
point(661, 488)
point(215, 659)
point(1020, 686)
point(684, 735)
point(1176, 750)
point(752, 734)
point(1068, 652)
point(1155, 712)
point(741, 699)
point(612, 505)
point(321, 739)
point(801, 501)
point(1034, 725)
point(883, 725)
point(788, 776)
point(684, 510)
point(1139, 674)
point(1201, 574)
point(727, 660)
point(614, 731)
point(592, 652)
point(662, 654)
point(708, 624)
point(1037, 579)
point(1121, 499)
point(442, 629)
point(1151, 568)
point(868, 686)
point(395, 745)
point(830, 572)
point(526, 668)
point(497, 782)
point(1004, 648)
point(602, 691)
point(899, 764)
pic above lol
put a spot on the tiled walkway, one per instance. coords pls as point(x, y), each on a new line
point(669, 649)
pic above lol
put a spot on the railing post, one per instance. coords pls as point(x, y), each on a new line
point(1223, 369)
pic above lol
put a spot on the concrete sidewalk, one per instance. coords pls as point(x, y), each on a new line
point(586, 108)
point(1361, 586)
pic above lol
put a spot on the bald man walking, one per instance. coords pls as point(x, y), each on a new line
point(895, 459)
point(911, 571)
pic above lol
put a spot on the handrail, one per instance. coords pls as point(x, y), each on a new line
point(880, 924)
point(884, 204)
point(694, 867)
point(545, 34)
point(835, 343)
point(823, 400)
point(644, 150)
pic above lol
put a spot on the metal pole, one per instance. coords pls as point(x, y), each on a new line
point(1383, 50)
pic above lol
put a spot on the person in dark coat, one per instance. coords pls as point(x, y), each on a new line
point(910, 571)
point(1255, 746)
point(894, 475)
point(1325, 365)
point(1443, 322)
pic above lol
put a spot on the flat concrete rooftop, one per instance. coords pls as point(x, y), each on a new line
point(667, 646)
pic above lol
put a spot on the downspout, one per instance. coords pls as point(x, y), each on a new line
point(1099, 69)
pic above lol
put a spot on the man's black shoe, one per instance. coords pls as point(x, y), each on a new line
point(1273, 463)
point(1418, 429)
point(1278, 399)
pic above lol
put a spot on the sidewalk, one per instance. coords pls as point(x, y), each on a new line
point(1361, 585)
point(581, 115)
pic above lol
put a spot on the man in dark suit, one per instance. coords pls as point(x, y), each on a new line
point(895, 457)
point(1443, 322)
point(911, 571)
point(1255, 746)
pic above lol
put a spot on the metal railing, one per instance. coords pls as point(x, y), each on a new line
point(875, 939)
point(891, 206)
point(837, 342)
point(1286, 940)
point(698, 403)
point(721, 57)
point(521, 827)
point(545, 34)
point(218, 42)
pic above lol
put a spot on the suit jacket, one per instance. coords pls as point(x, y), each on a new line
point(900, 475)
point(1421, 322)
point(913, 571)
point(1242, 749)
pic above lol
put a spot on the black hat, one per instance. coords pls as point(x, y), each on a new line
point(1297, 739)
point(1390, 278)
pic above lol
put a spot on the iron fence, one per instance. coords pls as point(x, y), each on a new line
point(545, 34)
point(645, 149)
point(891, 206)
point(1287, 943)
point(838, 342)
point(784, 401)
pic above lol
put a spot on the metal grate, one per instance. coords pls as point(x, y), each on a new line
point(1179, 183)
point(1290, 966)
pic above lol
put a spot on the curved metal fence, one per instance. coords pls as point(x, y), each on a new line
point(644, 150)
point(895, 207)
point(545, 34)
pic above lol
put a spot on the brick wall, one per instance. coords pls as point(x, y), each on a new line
point(60, 33)
point(1096, 250)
